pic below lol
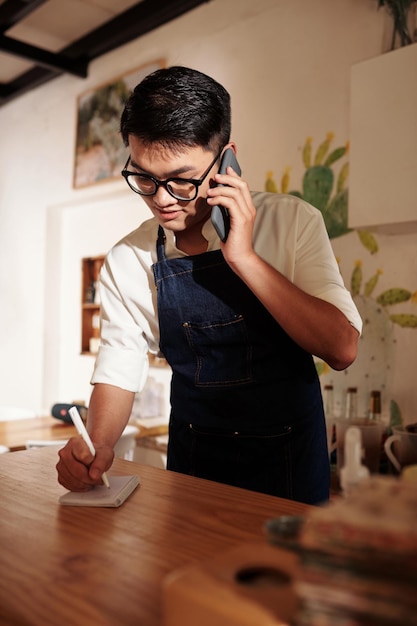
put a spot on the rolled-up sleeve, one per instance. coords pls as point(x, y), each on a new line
point(129, 325)
point(290, 234)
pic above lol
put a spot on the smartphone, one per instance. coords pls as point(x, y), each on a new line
point(219, 214)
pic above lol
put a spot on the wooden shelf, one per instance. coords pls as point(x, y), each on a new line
point(90, 308)
point(90, 304)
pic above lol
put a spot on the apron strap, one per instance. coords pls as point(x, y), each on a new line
point(160, 245)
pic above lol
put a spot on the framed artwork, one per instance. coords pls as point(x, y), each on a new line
point(99, 150)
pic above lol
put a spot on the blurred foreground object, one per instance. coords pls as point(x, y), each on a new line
point(360, 557)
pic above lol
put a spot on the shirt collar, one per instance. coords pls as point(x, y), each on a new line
point(208, 232)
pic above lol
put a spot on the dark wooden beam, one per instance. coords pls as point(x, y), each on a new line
point(140, 19)
point(31, 79)
point(14, 11)
point(44, 58)
point(131, 24)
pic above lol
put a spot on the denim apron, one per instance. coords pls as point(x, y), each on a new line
point(246, 405)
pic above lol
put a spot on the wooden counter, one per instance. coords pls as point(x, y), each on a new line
point(15, 433)
point(91, 567)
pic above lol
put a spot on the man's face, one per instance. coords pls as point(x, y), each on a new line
point(161, 163)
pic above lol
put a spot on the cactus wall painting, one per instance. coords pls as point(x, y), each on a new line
point(320, 186)
point(380, 310)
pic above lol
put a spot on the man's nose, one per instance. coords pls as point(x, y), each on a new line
point(162, 198)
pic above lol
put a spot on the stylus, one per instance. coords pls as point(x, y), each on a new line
point(79, 425)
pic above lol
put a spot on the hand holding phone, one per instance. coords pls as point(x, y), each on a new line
point(219, 214)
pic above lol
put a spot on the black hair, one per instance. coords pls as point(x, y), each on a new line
point(177, 107)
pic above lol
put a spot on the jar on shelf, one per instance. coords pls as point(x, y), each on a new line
point(351, 408)
point(375, 406)
point(328, 401)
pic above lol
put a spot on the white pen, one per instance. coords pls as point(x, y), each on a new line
point(79, 425)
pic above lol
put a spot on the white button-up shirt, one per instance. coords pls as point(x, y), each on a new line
point(289, 234)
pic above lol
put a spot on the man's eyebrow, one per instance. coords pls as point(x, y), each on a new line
point(173, 174)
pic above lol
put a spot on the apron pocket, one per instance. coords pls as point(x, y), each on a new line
point(259, 462)
point(222, 353)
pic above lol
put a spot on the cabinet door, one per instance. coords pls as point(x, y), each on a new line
point(383, 136)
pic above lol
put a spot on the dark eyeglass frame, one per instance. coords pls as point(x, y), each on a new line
point(197, 182)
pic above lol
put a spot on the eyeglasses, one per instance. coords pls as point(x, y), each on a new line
point(185, 189)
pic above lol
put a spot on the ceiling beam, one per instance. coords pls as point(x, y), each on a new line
point(31, 79)
point(77, 67)
point(14, 11)
point(140, 19)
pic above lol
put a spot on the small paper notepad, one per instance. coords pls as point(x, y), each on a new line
point(120, 488)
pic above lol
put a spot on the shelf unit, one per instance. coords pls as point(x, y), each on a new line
point(90, 310)
point(90, 304)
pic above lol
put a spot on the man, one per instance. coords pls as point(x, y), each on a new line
point(237, 320)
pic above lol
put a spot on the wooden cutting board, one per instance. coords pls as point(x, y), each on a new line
point(246, 586)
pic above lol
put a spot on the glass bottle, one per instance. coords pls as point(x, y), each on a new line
point(328, 401)
point(351, 410)
point(329, 417)
point(375, 406)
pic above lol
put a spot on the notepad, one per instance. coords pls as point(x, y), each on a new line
point(120, 488)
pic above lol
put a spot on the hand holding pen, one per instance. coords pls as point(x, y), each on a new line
point(79, 425)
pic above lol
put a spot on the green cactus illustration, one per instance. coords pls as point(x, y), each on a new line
point(406, 320)
point(394, 296)
point(337, 154)
point(328, 192)
point(270, 184)
point(307, 152)
point(376, 344)
point(342, 178)
point(368, 241)
point(356, 279)
point(372, 283)
point(318, 184)
point(395, 414)
point(335, 214)
point(323, 149)
point(387, 298)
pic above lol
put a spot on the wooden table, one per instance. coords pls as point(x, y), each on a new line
point(91, 567)
point(15, 433)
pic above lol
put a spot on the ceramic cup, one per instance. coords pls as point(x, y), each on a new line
point(371, 432)
point(401, 447)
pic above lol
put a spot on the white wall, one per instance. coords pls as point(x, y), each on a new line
point(77, 230)
point(286, 65)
